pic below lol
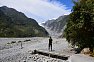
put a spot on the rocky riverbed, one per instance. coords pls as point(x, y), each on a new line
point(11, 50)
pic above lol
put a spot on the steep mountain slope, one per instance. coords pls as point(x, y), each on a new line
point(16, 24)
point(57, 25)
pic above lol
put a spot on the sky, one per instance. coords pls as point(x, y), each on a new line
point(40, 10)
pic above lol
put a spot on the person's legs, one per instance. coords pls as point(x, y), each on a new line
point(51, 47)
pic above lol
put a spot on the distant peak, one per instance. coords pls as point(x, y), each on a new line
point(53, 19)
point(4, 7)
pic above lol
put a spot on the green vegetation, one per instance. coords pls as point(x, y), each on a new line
point(19, 41)
point(16, 24)
point(8, 43)
point(27, 40)
point(80, 26)
point(13, 42)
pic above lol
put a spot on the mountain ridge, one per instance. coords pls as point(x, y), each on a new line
point(16, 24)
point(57, 25)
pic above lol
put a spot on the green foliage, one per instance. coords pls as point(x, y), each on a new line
point(16, 24)
point(27, 40)
point(19, 41)
point(13, 42)
point(80, 26)
point(8, 43)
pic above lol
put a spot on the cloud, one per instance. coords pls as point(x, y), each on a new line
point(41, 10)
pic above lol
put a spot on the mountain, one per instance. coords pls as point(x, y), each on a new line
point(16, 24)
point(57, 25)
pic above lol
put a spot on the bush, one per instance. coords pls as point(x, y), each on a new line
point(19, 41)
point(13, 42)
point(8, 43)
point(92, 54)
point(27, 40)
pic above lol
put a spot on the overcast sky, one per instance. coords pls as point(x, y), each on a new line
point(40, 10)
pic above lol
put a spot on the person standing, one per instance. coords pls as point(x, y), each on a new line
point(50, 44)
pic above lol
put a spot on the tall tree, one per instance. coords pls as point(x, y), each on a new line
point(80, 26)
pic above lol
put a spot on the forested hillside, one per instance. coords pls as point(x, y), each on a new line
point(16, 24)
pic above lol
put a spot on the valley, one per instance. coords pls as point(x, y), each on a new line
point(21, 35)
point(16, 53)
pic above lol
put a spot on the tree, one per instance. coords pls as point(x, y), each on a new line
point(80, 26)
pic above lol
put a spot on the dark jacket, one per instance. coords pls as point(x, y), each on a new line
point(50, 41)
